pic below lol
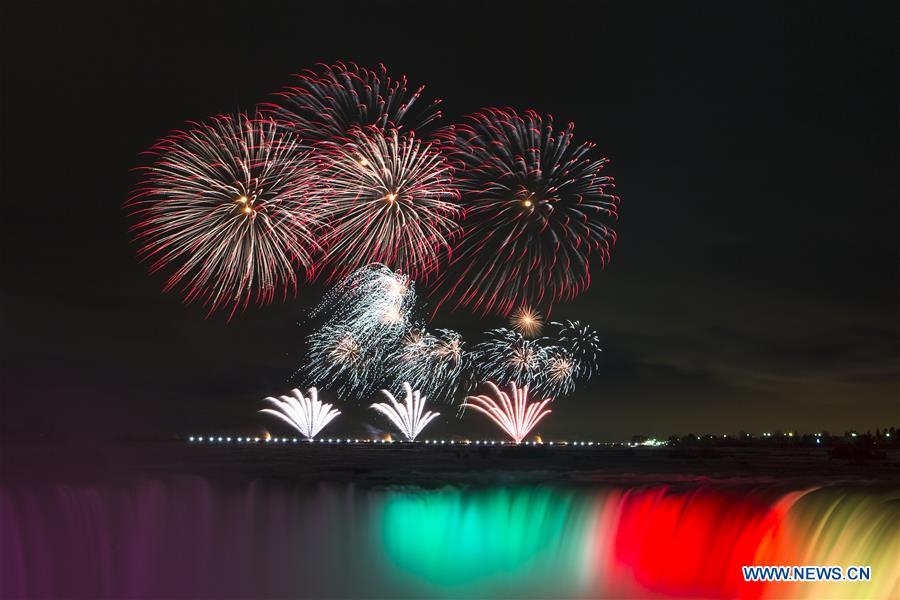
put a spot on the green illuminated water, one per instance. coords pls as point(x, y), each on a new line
point(453, 540)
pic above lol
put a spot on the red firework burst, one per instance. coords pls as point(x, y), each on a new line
point(329, 101)
point(536, 209)
point(227, 205)
point(388, 199)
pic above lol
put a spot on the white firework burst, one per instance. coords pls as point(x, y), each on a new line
point(508, 357)
point(307, 415)
point(337, 357)
point(430, 361)
point(366, 315)
point(582, 343)
point(559, 374)
point(407, 417)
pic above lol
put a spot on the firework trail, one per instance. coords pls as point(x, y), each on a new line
point(536, 210)
point(407, 417)
point(389, 200)
point(330, 100)
point(509, 357)
point(513, 415)
point(306, 415)
point(430, 361)
point(227, 204)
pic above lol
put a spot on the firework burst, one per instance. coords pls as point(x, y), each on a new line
point(329, 101)
point(373, 302)
point(551, 366)
point(307, 415)
point(337, 356)
point(508, 357)
point(366, 315)
point(389, 200)
point(515, 416)
point(227, 204)
point(430, 361)
point(536, 209)
point(407, 417)
point(527, 321)
point(371, 338)
point(559, 374)
point(582, 344)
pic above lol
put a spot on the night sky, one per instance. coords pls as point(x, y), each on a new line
point(755, 147)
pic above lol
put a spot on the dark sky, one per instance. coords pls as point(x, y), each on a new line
point(755, 145)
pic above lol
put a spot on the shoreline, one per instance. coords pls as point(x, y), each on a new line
point(380, 465)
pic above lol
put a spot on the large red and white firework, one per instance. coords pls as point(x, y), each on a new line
point(389, 199)
point(226, 207)
point(537, 212)
point(325, 103)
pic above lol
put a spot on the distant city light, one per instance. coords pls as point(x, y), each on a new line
point(651, 442)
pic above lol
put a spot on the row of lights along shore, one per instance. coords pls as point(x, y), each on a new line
point(275, 440)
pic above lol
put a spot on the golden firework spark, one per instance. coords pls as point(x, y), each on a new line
point(346, 350)
point(527, 321)
point(451, 349)
point(560, 368)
